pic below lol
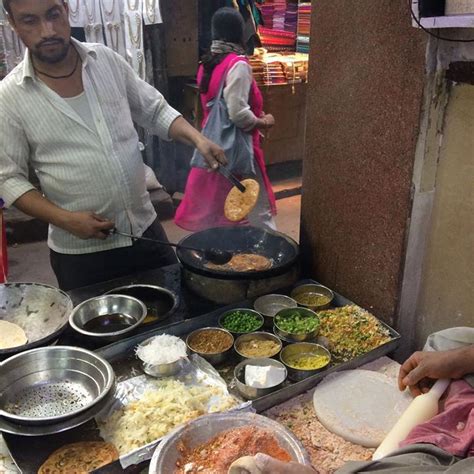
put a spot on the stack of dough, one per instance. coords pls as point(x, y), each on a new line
point(11, 335)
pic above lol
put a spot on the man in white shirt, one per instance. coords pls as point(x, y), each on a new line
point(68, 110)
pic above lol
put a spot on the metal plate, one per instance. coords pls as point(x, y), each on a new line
point(42, 311)
point(282, 250)
point(43, 430)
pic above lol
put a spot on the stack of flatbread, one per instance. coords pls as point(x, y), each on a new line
point(79, 458)
point(11, 335)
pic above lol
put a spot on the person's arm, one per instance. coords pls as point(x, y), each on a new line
point(182, 131)
point(236, 95)
point(150, 110)
point(85, 225)
point(453, 364)
point(16, 190)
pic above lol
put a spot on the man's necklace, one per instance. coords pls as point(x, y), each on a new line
point(61, 77)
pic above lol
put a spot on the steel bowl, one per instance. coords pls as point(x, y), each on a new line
point(42, 311)
point(262, 336)
point(215, 358)
point(269, 305)
point(161, 370)
point(303, 348)
point(203, 429)
point(134, 311)
point(301, 290)
point(51, 384)
point(161, 303)
point(299, 337)
point(251, 393)
point(244, 310)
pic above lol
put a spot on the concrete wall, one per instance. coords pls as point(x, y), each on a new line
point(367, 77)
point(447, 280)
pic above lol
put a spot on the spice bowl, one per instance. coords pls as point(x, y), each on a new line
point(296, 324)
point(240, 321)
point(213, 344)
point(313, 296)
point(249, 392)
point(160, 370)
point(269, 305)
point(304, 354)
point(253, 345)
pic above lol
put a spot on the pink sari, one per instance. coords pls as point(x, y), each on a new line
point(203, 204)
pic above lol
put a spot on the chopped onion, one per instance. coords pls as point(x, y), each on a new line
point(162, 349)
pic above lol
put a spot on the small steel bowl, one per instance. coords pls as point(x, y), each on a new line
point(301, 290)
point(269, 305)
point(133, 309)
point(215, 358)
point(251, 393)
point(161, 303)
point(261, 336)
point(161, 370)
point(302, 348)
point(300, 337)
point(245, 310)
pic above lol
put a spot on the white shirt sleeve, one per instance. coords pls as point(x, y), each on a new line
point(236, 95)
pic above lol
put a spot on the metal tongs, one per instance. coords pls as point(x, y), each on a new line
point(231, 177)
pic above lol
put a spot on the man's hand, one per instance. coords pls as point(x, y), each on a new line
point(269, 465)
point(87, 225)
point(419, 371)
point(213, 153)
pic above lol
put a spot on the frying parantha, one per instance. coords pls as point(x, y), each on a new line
point(238, 205)
point(244, 262)
point(11, 335)
point(79, 458)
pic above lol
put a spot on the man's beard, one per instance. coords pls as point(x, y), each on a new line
point(53, 58)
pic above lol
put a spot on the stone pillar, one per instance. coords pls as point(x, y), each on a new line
point(365, 97)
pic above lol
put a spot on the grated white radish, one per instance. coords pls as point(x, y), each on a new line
point(162, 349)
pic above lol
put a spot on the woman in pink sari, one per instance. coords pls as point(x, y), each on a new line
point(205, 193)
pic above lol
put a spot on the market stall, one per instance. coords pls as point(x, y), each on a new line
point(219, 384)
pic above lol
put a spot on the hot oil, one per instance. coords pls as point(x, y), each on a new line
point(109, 323)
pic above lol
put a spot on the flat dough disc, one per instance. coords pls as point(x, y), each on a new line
point(238, 205)
point(11, 335)
point(79, 458)
point(244, 465)
point(361, 406)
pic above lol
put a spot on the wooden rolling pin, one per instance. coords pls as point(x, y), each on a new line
point(421, 409)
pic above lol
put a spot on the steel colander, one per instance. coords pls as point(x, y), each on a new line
point(51, 384)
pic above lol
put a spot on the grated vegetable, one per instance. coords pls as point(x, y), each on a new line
point(351, 331)
point(162, 349)
point(160, 410)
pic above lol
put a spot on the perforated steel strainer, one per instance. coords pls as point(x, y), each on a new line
point(51, 384)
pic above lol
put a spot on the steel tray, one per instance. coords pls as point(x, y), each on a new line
point(121, 355)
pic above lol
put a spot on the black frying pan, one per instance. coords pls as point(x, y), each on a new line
point(279, 248)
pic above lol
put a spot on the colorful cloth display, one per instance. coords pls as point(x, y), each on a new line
point(304, 27)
